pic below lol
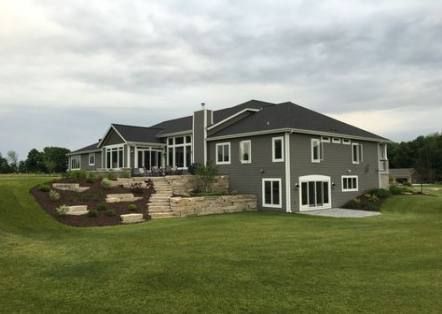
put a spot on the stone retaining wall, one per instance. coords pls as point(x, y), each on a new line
point(206, 205)
point(185, 184)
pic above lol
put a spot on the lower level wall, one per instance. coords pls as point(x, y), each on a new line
point(206, 205)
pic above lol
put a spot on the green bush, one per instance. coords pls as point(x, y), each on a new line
point(396, 190)
point(106, 184)
point(132, 207)
point(111, 176)
point(206, 176)
point(380, 193)
point(124, 174)
point(92, 213)
point(101, 207)
point(44, 187)
point(407, 184)
point(54, 195)
point(79, 175)
point(110, 212)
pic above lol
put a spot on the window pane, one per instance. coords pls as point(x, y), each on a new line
point(354, 185)
point(171, 157)
point(226, 153)
point(171, 141)
point(108, 159)
point(319, 193)
point(326, 196)
point(355, 153)
point(120, 161)
point(345, 183)
point(179, 157)
point(275, 190)
point(149, 157)
point(114, 159)
point(188, 139)
point(304, 193)
point(267, 192)
point(278, 149)
point(179, 140)
point(315, 151)
point(188, 156)
point(220, 153)
point(312, 194)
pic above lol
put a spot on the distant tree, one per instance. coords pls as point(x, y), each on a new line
point(4, 166)
point(13, 160)
point(34, 162)
point(55, 159)
point(22, 166)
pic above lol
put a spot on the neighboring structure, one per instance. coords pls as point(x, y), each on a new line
point(404, 175)
point(292, 158)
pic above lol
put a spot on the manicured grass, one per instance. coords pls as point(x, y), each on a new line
point(254, 262)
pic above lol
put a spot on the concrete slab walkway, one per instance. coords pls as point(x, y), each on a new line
point(341, 213)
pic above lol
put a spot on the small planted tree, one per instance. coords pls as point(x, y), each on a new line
point(206, 176)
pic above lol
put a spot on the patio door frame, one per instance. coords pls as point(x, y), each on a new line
point(314, 178)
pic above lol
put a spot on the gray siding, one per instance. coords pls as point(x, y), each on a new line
point(247, 178)
point(84, 163)
point(337, 162)
point(112, 138)
point(198, 136)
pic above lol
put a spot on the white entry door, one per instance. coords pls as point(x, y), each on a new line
point(314, 192)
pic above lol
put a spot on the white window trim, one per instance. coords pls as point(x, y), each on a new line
point(346, 141)
point(79, 162)
point(216, 153)
point(185, 144)
point(325, 139)
point(274, 139)
point(316, 140)
point(110, 147)
point(315, 178)
point(336, 140)
point(264, 180)
point(359, 153)
point(89, 159)
point(241, 152)
point(356, 189)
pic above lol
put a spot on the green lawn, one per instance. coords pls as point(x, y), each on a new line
point(251, 262)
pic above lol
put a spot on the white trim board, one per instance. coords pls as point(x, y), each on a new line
point(231, 117)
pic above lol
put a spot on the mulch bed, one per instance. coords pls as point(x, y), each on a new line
point(93, 197)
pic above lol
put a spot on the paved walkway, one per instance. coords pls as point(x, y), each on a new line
point(341, 213)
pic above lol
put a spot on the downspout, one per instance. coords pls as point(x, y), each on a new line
point(288, 185)
point(205, 133)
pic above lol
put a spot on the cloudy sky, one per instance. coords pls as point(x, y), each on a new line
point(70, 68)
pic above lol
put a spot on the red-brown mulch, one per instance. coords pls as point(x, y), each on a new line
point(93, 197)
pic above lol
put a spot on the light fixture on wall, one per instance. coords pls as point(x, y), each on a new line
point(297, 185)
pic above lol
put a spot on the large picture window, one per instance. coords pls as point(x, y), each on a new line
point(271, 193)
point(115, 157)
point(179, 152)
point(75, 163)
point(350, 184)
point(223, 153)
point(245, 151)
point(278, 149)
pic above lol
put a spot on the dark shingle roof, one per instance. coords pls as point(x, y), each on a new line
point(290, 115)
point(175, 125)
point(86, 148)
point(397, 172)
point(138, 133)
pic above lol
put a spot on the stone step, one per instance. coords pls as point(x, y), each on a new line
point(131, 218)
point(160, 201)
point(159, 207)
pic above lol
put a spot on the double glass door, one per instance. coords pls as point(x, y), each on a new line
point(315, 192)
point(149, 159)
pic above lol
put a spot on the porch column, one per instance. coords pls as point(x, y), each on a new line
point(136, 157)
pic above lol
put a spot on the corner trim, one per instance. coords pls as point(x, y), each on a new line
point(288, 184)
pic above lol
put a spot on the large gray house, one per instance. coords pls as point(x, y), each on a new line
point(292, 158)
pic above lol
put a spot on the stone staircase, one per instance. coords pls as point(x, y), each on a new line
point(159, 203)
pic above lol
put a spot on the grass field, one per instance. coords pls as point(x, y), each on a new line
point(251, 262)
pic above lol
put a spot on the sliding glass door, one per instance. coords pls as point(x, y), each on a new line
point(314, 192)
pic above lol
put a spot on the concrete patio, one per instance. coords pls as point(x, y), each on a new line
point(341, 213)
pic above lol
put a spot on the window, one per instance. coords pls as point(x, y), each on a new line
point(357, 154)
point(316, 148)
point(346, 141)
point(325, 139)
point(350, 183)
point(271, 193)
point(114, 157)
point(92, 159)
point(179, 152)
point(245, 151)
point(75, 163)
point(277, 149)
point(223, 153)
point(336, 140)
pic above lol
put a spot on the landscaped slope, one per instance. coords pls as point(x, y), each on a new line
point(253, 262)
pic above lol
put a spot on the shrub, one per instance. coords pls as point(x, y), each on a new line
point(78, 175)
point(137, 188)
point(124, 174)
point(62, 210)
point(132, 207)
point(91, 178)
point(54, 195)
point(111, 176)
point(92, 212)
point(396, 190)
point(206, 175)
point(106, 184)
point(101, 207)
point(193, 167)
point(44, 187)
point(110, 212)
point(380, 193)
point(407, 183)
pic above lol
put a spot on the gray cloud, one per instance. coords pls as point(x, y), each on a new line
point(145, 61)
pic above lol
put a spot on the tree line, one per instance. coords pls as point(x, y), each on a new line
point(49, 160)
point(424, 154)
